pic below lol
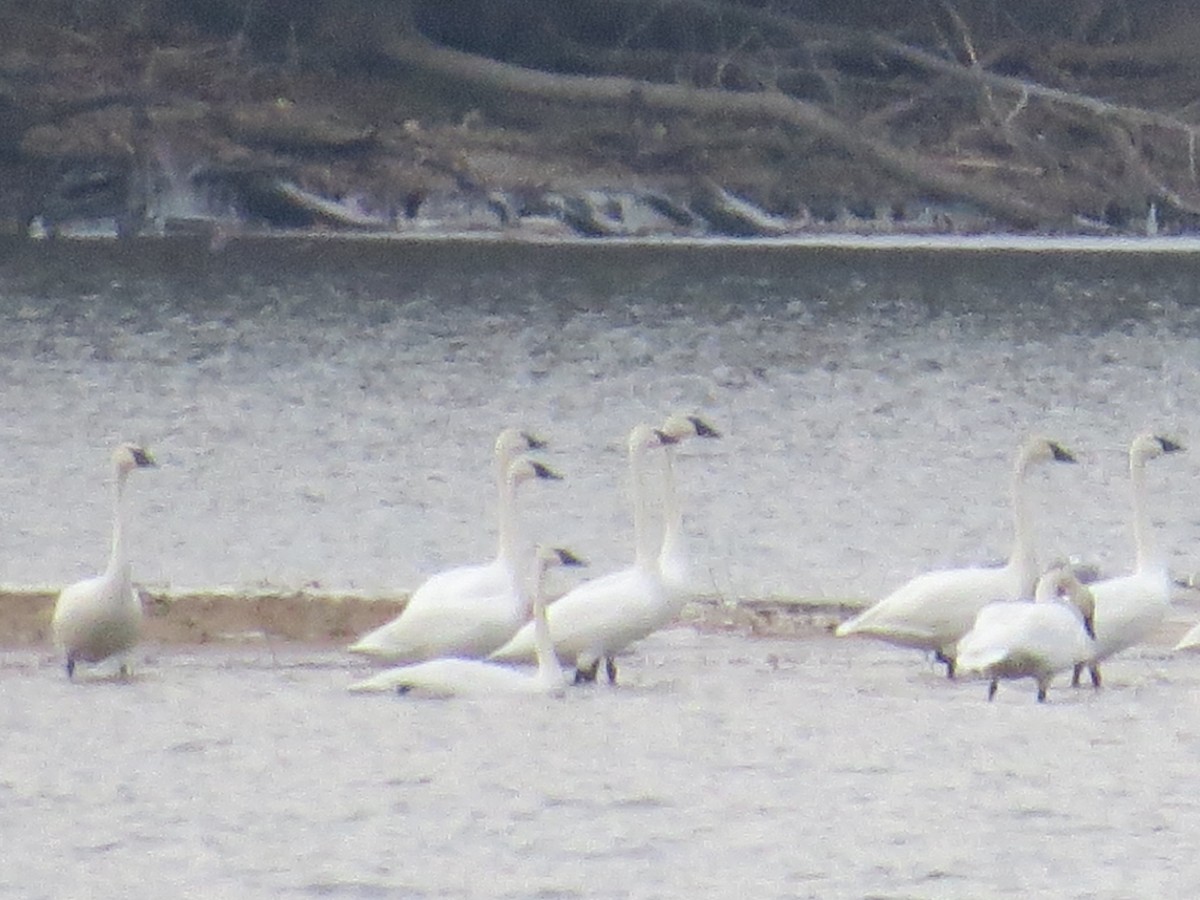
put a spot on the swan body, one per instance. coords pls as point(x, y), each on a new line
point(468, 611)
point(1039, 639)
point(450, 677)
point(932, 611)
point(674, 562)
point(1130, 607)
point(599, 618)
point(101, 617)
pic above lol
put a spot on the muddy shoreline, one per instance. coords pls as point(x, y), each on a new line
point(324, 619)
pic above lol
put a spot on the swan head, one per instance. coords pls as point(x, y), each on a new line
point(128, 457)
point(644, 437)
point(681, 427)
point(1060, 584)
point(1040, 449)
point(525, 469)
point(512, 441)
point(558, 556)
point(1151, 446)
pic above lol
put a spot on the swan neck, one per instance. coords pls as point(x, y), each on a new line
point(1023, 560)
point(549, 671)
point(118, 559)
point(672, 514)
point(506, 510)
point(1143, 535)
point(643, 536)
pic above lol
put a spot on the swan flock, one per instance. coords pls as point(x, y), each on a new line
point(465, 631)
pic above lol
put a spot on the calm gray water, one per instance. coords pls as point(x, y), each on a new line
point(724, 767)
point(324, 414)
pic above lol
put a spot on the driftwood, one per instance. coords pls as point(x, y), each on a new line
point(770, 106)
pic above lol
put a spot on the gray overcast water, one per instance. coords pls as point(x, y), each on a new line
point(324, 414)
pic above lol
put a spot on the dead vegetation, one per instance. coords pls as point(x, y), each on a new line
point(1021, 115)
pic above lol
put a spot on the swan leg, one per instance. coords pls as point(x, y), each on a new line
point(992, 689)
point(610, 669)
point(1095, 670)
point(587, 673)
point(947, 661)
point(70, 667)
point(1042, 686)
point(1075, 673)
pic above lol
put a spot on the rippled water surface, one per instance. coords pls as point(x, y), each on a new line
point(723, 767)
point(324, 414)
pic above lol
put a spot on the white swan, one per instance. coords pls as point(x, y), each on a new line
point(468, 611)
point(932, 611)
point(1020, 639)
point(599, 618)
point(473, 677)
point(102, 616)
point(1130, 607)
point(674, 562)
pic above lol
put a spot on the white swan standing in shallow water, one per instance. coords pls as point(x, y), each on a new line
point(932, 611)
point(468, 611)
point(1129, 608)
point(1020, 639)
point(599, 618)
point(674, 562)
point(475, 677)
point(102, 616)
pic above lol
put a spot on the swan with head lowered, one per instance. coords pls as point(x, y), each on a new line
point(101, 617)
point(1039, 639)
point(599, 618)
point(1130, 607)
point(471, 610)
point(475, 677)
point(674, 561)
point(932, 611)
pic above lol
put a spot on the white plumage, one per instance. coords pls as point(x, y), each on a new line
point(674, 561)
point(599, 618)
point(102, 616)
point(1132, 606)
point(474, 677)
point(1023, 639)
point(471, 610)
point(932, 611)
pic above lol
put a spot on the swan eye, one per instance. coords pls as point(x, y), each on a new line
point(542, 471)
point(141, 458)
point(1168, 445)
point(665, 439)
point(1061, 454)
point(702, 428)
point(532, 441)
point(567, 558)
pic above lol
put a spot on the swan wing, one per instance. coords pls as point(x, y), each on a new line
point(463, 612)
point(1016, 639)
point(933, 610)
point(600, 617)
point(97, 618)
point(452, 677)
point(1129, 609)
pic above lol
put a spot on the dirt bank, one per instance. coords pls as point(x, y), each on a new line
point(324, 619)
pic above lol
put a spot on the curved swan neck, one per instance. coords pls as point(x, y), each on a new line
point(549, 671)
point(1143, 534)
point(643, 536)
point(672, 514)
point(1022, 560)
point(506, 513)
point(118, 559)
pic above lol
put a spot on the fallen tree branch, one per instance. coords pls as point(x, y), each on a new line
point(768, 106)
